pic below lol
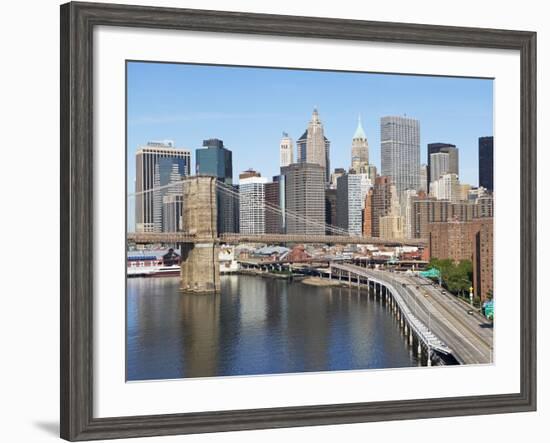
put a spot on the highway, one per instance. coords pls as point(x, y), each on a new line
point(469, 336)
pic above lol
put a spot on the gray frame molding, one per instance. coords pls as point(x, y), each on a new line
point(77, 24)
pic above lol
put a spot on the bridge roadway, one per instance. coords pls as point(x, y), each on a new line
point(470, 337)
point(182, 237)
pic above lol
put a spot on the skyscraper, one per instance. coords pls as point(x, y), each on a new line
point(155, 169)
point(172, 203)
point(446, 187)
point(486, 162)
point(439, 165)
point(424, 180)
point(286, 151)
point(313, 146)
point(400, 146)
point(216, 160)
point(351, 194)
point(391, 225)
point(334, 176)
point(273, 209)
point(383, 198)
point(330, 206)
point(367, 214)
point(252, 205)
point(407, 211)
point(447, 148)
point(304, 198)
point(359, 149)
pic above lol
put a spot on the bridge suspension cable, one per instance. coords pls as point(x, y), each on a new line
point(158, 188)
point(278, 210)
point(228, 190)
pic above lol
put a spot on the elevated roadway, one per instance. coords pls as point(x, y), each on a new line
point(467, 334)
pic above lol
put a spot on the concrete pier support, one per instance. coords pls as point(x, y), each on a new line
point(200, 267)
point(419, 349)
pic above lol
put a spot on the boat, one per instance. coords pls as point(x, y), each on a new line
point(153, 264)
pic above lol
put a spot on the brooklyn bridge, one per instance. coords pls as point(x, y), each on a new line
point(199, 240)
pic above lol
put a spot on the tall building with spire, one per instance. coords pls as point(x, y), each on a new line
point(313, 146)
point(286, 151)
point(359, 149)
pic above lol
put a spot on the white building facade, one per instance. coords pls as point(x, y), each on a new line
point(351, 194)
point(440, 163)
point(252, 205)
point(158, 164)
point(447, 187)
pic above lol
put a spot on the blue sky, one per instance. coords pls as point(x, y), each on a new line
point(249, 108)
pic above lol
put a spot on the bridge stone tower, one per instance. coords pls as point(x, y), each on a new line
point(200, 268)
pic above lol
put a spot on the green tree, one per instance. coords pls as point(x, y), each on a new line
point(456, 277)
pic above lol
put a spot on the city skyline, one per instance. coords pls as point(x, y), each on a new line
point(260, 203)
point(191, 103)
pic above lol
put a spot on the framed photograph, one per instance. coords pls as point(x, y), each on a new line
point(272, 221)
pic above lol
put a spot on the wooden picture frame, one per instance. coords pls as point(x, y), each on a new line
point(77, 23)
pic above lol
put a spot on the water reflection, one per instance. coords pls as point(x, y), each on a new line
point(256, 326)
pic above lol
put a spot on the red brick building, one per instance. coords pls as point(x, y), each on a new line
point(471, 240)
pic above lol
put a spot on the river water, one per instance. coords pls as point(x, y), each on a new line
point(256, 326)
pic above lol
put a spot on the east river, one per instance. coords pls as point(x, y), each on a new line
point(257, 326)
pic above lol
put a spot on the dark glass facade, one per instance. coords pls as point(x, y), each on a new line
point(216, 160)
point(486, 162)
